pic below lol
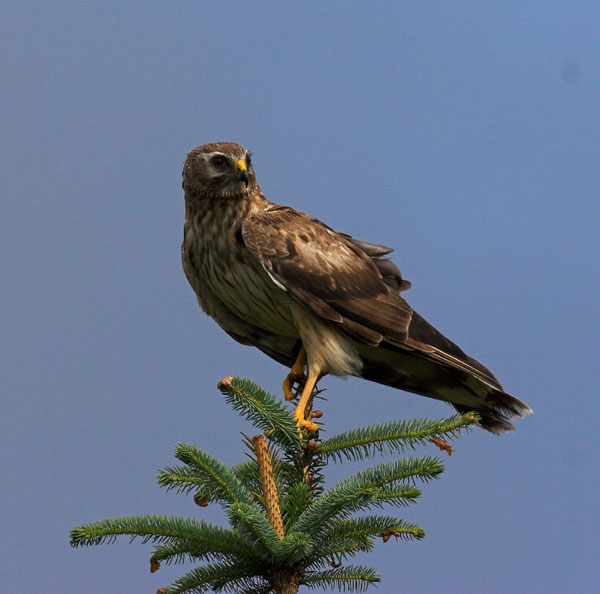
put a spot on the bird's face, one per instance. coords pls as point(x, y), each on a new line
point(219, 170)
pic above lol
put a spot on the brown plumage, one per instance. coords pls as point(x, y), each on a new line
point(282, 281)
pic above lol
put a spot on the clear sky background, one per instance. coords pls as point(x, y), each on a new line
point(465, 135)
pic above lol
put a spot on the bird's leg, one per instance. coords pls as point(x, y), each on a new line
point(300, 412)
point(295, 374)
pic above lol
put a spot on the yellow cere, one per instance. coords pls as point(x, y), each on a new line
point(241, 165)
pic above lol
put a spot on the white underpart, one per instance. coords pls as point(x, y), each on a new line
point(327, 349)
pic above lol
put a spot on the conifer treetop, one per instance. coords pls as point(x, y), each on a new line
point(287, 528)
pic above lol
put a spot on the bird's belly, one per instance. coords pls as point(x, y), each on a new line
point(249, 292)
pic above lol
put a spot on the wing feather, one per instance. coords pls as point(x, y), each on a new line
point(389, 271)
point(344, 281)
point(330, 274)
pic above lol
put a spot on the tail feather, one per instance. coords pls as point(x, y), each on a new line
point(498, 410)
point(422, 374)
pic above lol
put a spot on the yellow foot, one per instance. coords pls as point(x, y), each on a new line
point(296, 375)
point(288, 384)
point(304, 424)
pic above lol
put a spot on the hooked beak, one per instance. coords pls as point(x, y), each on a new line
point(242, 168)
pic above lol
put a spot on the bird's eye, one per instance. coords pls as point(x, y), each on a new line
point(219, 161)
point(248, 159)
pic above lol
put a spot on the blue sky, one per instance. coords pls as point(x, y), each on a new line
point(465, 135)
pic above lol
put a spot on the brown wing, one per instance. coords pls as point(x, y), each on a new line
point(329, 273)
point(388, 270)
point(333, 275)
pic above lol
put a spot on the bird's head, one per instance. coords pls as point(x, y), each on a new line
point(219, 170)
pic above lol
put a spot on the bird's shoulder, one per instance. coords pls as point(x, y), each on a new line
point(288, 235)
point(328, 272)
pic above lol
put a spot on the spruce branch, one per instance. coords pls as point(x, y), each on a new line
point(262, 409)
point(373, 486)
point(399, 496)
point(294, 502)
point(394, 436)
point(259, 587)
point(423, 468)
point(224, 486)
point(371, 526)
point(351, 578)
point(339, 501)
point(160, 529)
point(250, 522)
point(218, 577)
point(184, 479)
point(339, 549)
point(248, 474)
point(293, 549)
point(177, 551)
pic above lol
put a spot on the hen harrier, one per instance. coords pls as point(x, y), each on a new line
point(304, 294)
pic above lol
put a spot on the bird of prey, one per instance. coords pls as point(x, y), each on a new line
point(311, 297)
